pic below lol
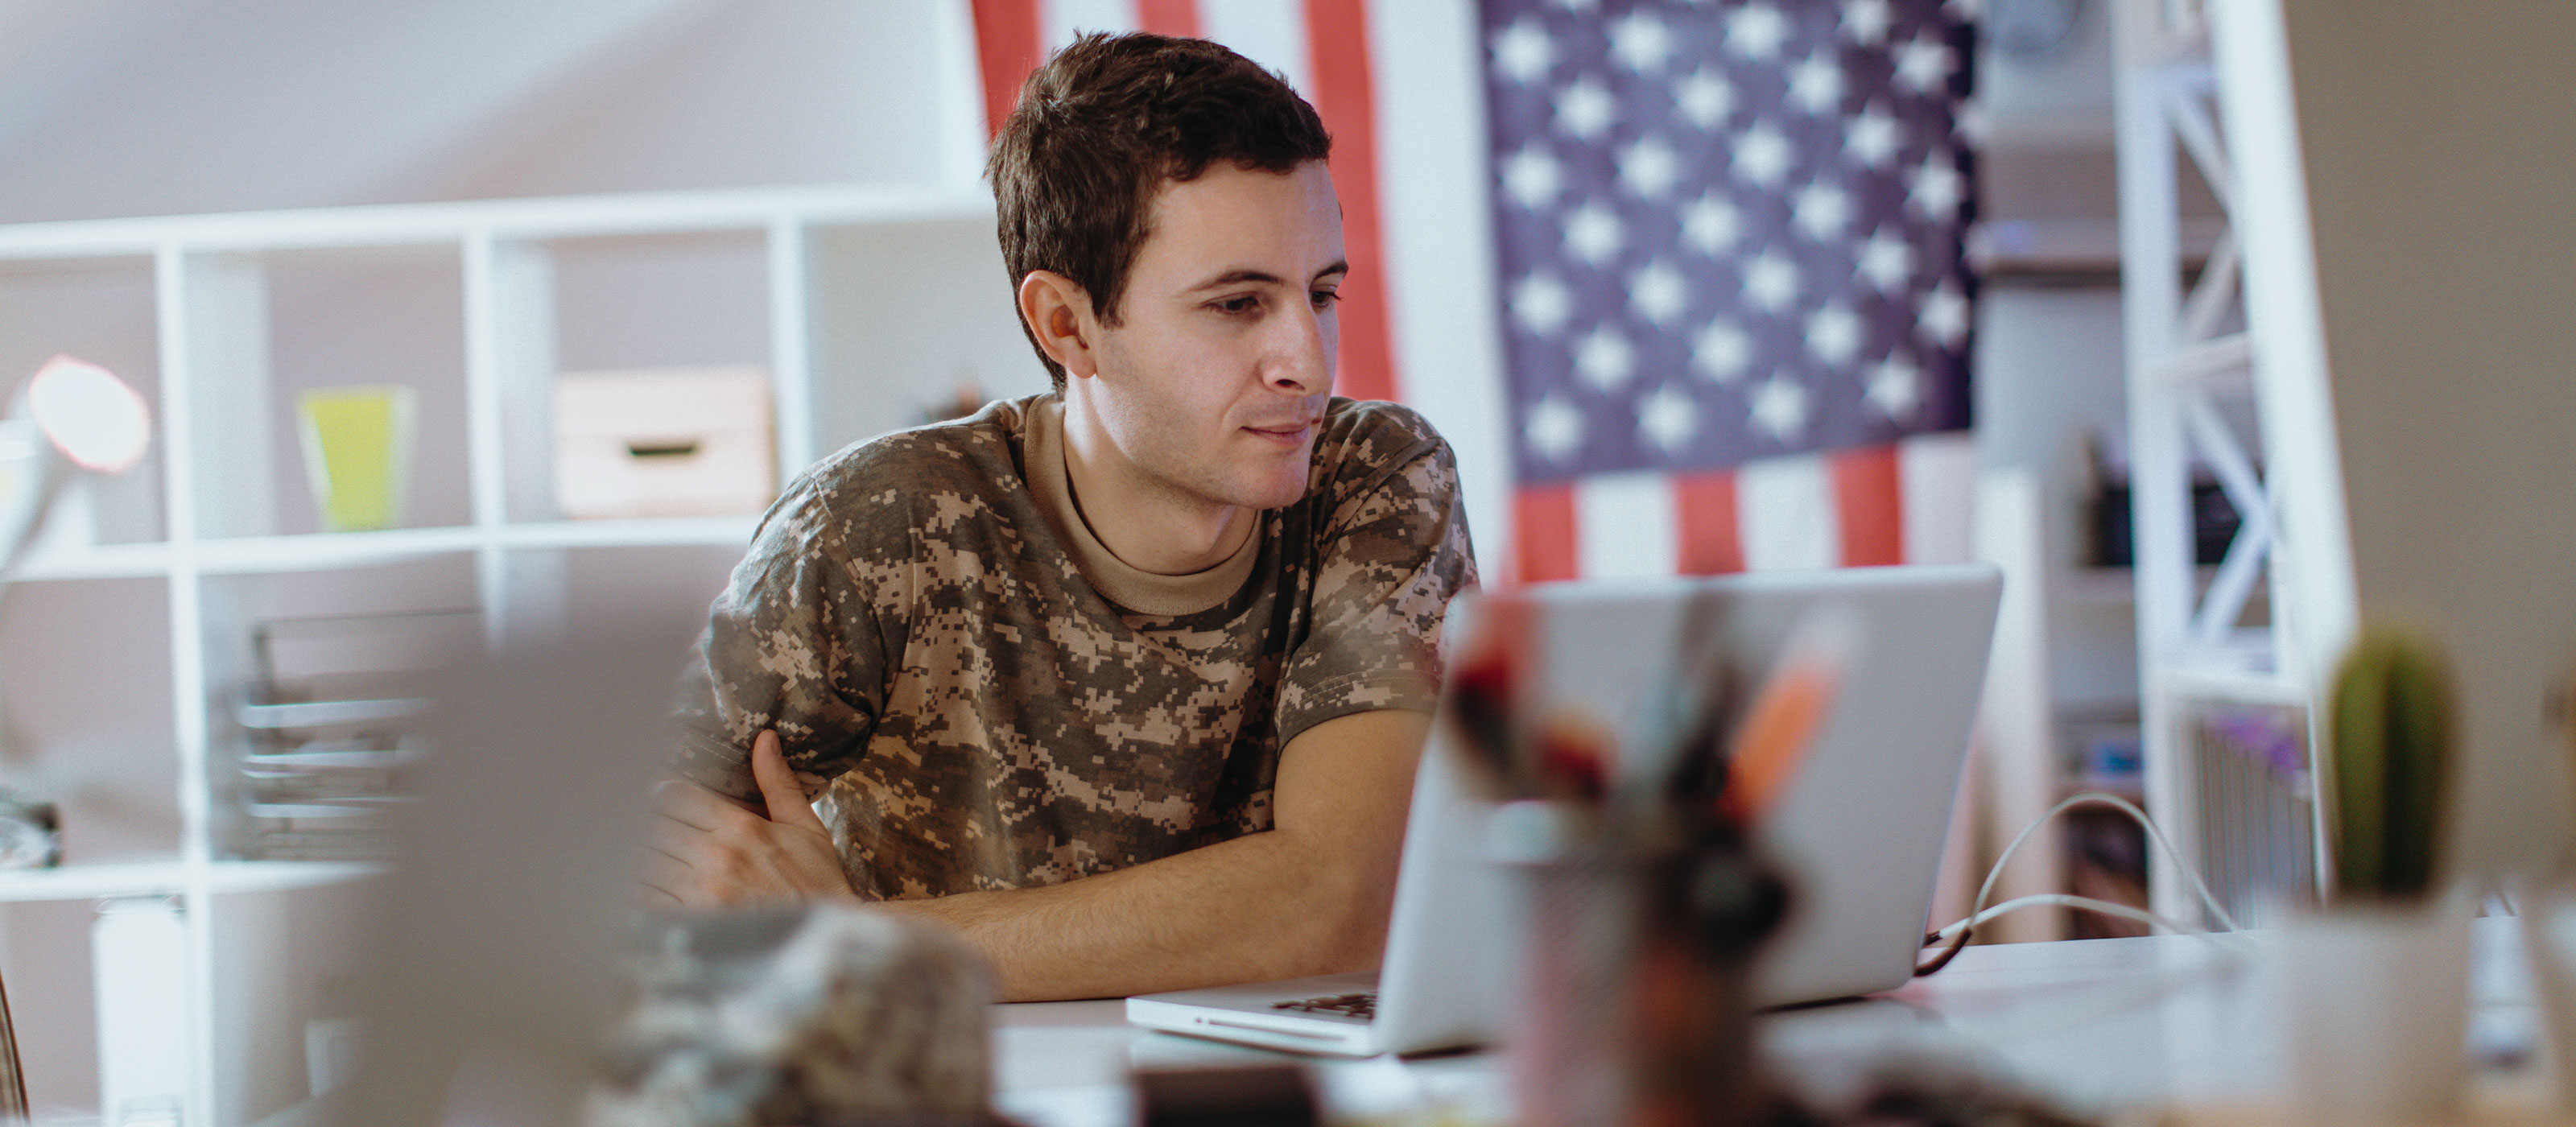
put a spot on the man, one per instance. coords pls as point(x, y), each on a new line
point(1126, 682)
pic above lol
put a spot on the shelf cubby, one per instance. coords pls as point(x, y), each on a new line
point(219, 320)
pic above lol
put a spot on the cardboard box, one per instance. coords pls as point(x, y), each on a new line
point(664, 442)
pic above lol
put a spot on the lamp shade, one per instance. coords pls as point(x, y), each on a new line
point(89, 414)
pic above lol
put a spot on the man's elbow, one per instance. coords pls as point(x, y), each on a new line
point(1342, 919)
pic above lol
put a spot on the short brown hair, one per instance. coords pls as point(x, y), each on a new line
point(1103, 124)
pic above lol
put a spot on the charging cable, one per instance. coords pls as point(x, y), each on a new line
point(1958, 933)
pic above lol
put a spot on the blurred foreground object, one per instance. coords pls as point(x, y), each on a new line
point(1279, 1095)
point(509, 908)
point(816, 1015)
point(664, 442)
point(1644, 903)
point(357, 454)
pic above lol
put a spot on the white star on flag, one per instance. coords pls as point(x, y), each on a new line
point(1762, 155)
point(1706, 97)
point(1586, 109)
point(1896, 389)
point(1592, 233)
point(1712, 225)
point(1523, 52)
point(1871, 139)
point(1822, 211)
point(1756, 31)
point(1771, 281)
point(1817, 84)
point(1721, 351)
point(1555, 429)
point(1585, 7)
point(1542, 303)
point(1606, 358)
point(1641, 42)
point(1946, 314)
point(1667, 419)
point(1781, 407)
point(1887, 262)
point(1866, 21)
point(1923, 64)
point(1834, 334)
point(1937, 187)
point(1658, 293)
point(1533, 177)
point(1649, 168)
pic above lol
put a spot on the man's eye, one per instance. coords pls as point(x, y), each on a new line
point(1245, 304)
point(1324, 299)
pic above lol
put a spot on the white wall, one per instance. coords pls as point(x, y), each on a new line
point(2439, 163)
point(2048, 369)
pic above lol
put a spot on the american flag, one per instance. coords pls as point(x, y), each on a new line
point(1728, 235)
point(1734, 297)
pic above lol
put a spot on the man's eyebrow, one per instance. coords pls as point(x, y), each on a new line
point(1238, 276)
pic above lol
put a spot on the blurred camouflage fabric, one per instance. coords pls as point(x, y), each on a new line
point(828, 1013)
point(917, 623)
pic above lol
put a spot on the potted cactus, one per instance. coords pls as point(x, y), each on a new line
point(2377, 982)
point(2391, 729)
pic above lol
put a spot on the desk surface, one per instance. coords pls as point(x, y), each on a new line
point(2101, 1025)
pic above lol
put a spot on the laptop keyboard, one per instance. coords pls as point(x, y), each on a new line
point(1362, 1005)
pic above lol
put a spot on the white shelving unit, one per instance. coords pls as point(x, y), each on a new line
point(216, 450)
point(2241, 345)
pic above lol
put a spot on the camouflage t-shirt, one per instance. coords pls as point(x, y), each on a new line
point(970, 684)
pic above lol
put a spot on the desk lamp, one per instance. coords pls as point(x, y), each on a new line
point(73, 416)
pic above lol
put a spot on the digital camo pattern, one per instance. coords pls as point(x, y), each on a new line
point(975, 715)
point(824, 1013)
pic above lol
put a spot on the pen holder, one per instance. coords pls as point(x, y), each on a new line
point(2375, 998)
point(1635, 962)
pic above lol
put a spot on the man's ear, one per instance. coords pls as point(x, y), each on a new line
point(1058, 314)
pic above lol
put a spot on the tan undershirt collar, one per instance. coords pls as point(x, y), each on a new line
point(1116, 579)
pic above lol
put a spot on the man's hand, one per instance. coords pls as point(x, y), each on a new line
point(709, 852)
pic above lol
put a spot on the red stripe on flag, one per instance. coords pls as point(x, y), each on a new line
point(1704, 507)
point(1168, 17)
point(1869, 506)
point(1543, 531)
point(1338, 47)
point(1010, 41)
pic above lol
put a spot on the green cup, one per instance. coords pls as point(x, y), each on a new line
point(357, 454)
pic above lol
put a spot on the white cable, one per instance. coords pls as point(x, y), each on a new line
point(2061, 899)
point(1977, 912)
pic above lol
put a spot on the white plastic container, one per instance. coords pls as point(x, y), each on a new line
point(2375, 1001)
point(139, 952)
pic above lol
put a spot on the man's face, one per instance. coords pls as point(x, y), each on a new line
point(1215, 378)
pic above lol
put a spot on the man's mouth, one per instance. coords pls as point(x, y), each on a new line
point(1286, 434)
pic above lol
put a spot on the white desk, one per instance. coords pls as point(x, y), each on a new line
point(2101, 1025)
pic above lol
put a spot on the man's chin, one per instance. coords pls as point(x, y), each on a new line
point(1278, 493)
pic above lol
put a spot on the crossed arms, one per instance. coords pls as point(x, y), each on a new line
point(1309, 896)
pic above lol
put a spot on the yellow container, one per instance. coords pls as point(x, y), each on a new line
point(357, 454)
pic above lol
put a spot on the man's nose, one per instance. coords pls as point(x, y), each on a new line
point(1300, 360)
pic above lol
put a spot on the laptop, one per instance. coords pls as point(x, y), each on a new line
point(1858, 831)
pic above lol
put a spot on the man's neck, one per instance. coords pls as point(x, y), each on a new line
point(1143, 520)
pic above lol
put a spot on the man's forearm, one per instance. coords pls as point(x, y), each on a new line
point(1251, 909)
